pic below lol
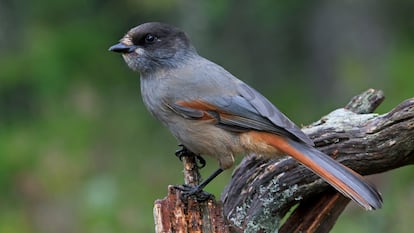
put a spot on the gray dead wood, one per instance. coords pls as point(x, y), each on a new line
point(261, 193)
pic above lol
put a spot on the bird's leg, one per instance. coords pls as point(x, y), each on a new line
point(184, 152)
point(197, 191)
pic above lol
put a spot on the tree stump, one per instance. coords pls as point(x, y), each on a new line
point(172, 214)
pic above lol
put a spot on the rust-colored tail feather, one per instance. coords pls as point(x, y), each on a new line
point(346, 181)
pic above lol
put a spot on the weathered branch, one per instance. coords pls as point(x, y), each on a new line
point(262, 192)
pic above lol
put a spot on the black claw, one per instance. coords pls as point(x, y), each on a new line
point(179, 154)
point(194, 192)
point(197, 191)
point(184, 152)
point(202, 162)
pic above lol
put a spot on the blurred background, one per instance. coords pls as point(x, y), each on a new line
point(80, 153)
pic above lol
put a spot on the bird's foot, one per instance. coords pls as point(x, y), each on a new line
point(196, 193)
point(184, 152)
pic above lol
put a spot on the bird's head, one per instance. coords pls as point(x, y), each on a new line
point(152, 46)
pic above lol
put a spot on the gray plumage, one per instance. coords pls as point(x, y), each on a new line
point(212, 112)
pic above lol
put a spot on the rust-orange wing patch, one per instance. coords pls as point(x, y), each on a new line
point(197, 110)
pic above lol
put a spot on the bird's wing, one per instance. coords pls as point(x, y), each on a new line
point(266, 109)
point(239, 113)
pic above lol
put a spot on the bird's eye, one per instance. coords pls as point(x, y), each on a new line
point(149, 38)
point(142, 40)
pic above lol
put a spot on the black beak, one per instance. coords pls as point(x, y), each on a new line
point(122, 48)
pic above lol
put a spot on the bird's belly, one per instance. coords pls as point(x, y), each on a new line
point(203, 137)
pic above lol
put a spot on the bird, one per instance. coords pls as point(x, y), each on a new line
point(211, 112)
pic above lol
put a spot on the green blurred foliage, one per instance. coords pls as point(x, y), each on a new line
point(78, 150)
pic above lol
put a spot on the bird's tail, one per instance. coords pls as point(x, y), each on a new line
point(345, 180)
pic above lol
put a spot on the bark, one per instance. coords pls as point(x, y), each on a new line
point(261, 192)
point(172, 214)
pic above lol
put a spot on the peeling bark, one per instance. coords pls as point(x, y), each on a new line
point(261, 193)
